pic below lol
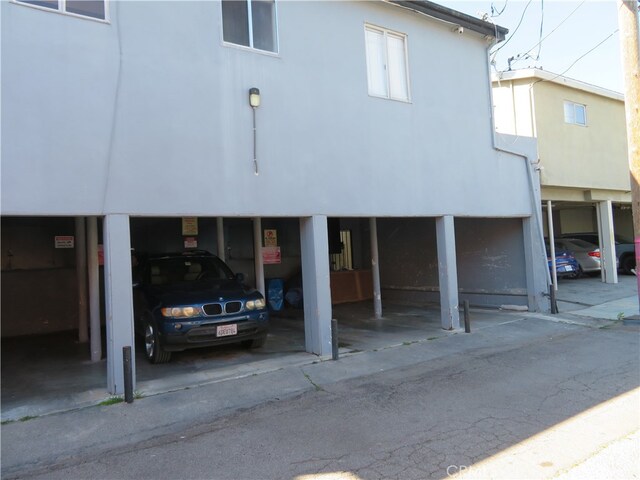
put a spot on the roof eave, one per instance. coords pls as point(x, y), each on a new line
point(453, 16)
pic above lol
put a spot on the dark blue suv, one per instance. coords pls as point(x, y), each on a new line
point(193, 299)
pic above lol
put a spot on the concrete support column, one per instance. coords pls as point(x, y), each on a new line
point(257, 249)
point(93, 271)
point(447, 273)
point(118, 298)
point(609, 270)
point(375, 269)
point(81, 275)
point(552, 245)
point(314, 244)
point(220, 236)
point(536, 266)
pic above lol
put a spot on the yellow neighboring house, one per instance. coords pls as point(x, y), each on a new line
point(582, 152)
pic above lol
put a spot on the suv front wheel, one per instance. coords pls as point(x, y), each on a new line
point(152, 346)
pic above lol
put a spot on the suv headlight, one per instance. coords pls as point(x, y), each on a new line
point(181, 312)
point(256, 304)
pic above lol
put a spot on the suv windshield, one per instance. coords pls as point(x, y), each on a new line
point(174, 270)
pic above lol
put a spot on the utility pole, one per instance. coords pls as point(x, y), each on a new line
point(629, 43)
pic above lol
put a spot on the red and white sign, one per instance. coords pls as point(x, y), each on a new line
point(64, 241)
point(190, 242)
point(271, 255)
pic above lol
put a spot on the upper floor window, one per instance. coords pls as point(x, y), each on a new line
point(387, 72)
point(251, 23)
point(575, 113)
point(85, 8)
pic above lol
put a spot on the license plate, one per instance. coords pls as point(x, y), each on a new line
point(568, 268)
point(227, 330)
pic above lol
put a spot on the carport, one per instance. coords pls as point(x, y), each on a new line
point(415, 257)
point(606, 219)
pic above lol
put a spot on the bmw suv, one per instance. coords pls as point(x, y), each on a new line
point(193, 299)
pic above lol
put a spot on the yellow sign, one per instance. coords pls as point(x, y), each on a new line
point(270, 238)
point(189, 225)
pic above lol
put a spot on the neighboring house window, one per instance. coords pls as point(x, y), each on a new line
point(86, 8)
point(575, 113)
point(387, 63)
point(251, 23)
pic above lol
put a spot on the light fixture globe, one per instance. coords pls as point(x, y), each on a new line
point(254, 97)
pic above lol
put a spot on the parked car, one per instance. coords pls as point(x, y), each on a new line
point(193, 299)
point(587, 254)
point(625, 249)
point(566, 264)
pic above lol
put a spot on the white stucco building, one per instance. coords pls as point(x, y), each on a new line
point(125, 117)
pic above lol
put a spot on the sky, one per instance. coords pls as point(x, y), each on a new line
point(581, 26)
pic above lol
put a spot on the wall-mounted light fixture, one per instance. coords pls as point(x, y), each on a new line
point(254, 102)
point(254, 97)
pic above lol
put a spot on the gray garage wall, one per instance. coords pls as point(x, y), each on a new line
point(490, 260)
point(38, 281)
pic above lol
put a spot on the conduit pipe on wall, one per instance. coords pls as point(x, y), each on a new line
point(535, 201)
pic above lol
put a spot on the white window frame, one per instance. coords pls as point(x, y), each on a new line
point(573, 106)
point(405, 40)
point(276, 52)
point(62, 5)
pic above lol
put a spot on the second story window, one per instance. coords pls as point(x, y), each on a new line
point(85, 8)
point(575, 113)
point(251, 23)
point(387, 72)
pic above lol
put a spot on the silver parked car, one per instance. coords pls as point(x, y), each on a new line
point(587, 254)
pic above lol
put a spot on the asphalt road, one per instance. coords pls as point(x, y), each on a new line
point(423, 421)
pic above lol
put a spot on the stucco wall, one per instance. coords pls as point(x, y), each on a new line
point(584, 157)
point(594, 156)
point(149, 115)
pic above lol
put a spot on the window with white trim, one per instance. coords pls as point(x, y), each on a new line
point(250, 23)
point(387, 72)
point(85, 8)
point(575, 113)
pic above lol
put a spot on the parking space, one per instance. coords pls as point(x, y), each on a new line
point(45, 374)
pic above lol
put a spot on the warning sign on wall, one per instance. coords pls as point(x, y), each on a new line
point(190, 242)
point(271, 255)
point(189, 226)
point(64, 241)
point(270, 238)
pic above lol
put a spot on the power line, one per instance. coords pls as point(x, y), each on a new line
point(588, 52)
point(522, 56)
point(578, 59)
point(516, 29)
point(541, 27)
point(500, 12)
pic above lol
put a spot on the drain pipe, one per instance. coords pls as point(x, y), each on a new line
point(535, 202)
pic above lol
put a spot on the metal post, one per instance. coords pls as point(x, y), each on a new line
point(220, 236)
point(94, 289)
point(467, 318)
point(257, 249)
point(552, 246)
point(554, 302)
point(128, 374)
point(334, 339)
point(81, 275)
point(375, 269)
